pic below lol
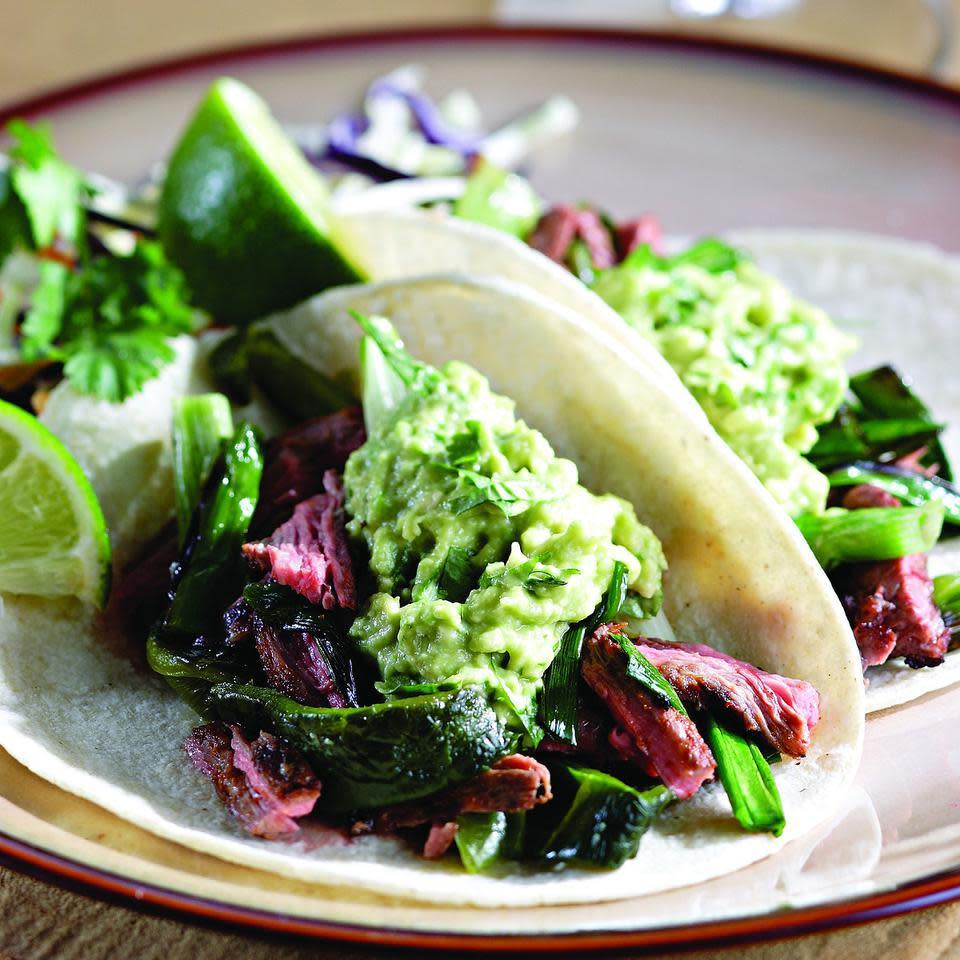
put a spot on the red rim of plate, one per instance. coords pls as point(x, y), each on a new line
point(926, 892)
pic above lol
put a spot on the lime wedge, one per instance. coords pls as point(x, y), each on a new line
point(243, 214)
point(53, 538)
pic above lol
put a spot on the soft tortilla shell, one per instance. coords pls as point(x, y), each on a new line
point(902, 299)
point(741, 578)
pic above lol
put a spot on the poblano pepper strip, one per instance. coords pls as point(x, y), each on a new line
point(558, 705)
point(601, 819)
point(256, 356)
point(370, 757)
point(885, 393)
point(486, 841)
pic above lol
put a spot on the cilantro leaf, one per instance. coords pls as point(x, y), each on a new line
point(456, 574)
point(45, 317)
point(511, 496)
point(464, 449)
point(114, 366)
point(52, 192)
point(531, 574)
point(109, 320)
point(709, 254)
point(414, 373)
point(14, 226)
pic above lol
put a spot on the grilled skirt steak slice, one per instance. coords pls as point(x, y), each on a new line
point(780, 710)
point(511, 785)
point(669, 740)
point(301, 666)
point(265, 784)
point(890, 606)
point(309, 552)
point(297, 460)
point(866, 495)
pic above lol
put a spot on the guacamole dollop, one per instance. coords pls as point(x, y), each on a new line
point(482, 544)
point(766, 367)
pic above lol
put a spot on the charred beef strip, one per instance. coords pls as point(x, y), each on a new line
point(140, 592)
point(298, 664)
point(555, 232)
point(637, 232)
point(439, 839)
point(779, 710)
point(309, 552)
point(595, 236)
point(669, 740)
point(265, 784)
point(239, 623)
point(592, 729)
point(511, 785)
point(865, 496)
point(561, 226)
point(297, 460)
point(890, 604)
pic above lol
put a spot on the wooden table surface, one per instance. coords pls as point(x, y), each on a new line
point(48, 43)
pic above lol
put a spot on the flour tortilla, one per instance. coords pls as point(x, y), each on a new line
point(741, 579)
point(901, 299)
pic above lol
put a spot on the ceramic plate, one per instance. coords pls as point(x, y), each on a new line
point(712, 138)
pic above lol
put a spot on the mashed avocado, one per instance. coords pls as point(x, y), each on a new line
point(483, 545)
point(765, 366)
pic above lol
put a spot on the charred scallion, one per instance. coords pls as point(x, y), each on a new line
point(383, 389)
point(561, 683)
point(878, 533)
point(201, 425)
point(499, 199)
point(906, 485)
point(747, 780)
point(211, 572)
point(741, 766)
point(946, 595)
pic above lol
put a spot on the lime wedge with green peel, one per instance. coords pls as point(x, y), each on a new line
point(53, 538)
point(243, 214)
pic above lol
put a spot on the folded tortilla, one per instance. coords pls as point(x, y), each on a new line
point(740, 578)
point(900, 299)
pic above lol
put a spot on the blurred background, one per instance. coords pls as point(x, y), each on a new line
point(49, 43)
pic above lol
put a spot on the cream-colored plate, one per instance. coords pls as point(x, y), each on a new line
point(710, 142)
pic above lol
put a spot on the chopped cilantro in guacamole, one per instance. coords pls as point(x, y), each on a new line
point(766, 367)
point(483, 545)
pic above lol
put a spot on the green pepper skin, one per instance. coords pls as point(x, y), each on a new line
point(601, 819)
point(374, 756)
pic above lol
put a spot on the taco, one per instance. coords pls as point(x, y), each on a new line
point(379, 693)
point(879, 287)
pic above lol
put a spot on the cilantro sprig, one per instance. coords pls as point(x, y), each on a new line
point(51, 191)
point(108, 319)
